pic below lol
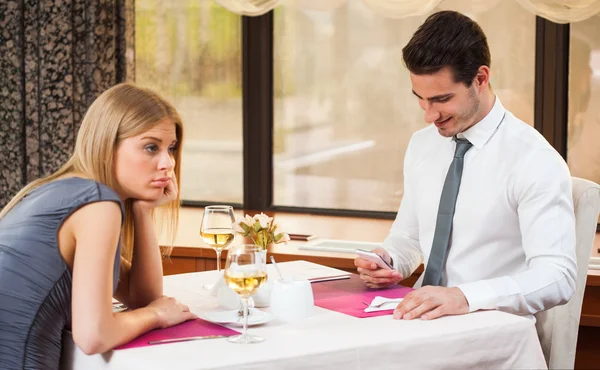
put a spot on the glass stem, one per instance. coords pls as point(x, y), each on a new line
point(245, 308)
point(218, 259)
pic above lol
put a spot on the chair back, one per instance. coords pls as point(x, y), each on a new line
point(558, 327)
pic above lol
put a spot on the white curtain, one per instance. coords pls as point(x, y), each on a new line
point(319, 5)
point(562, 11)
point(559, 11)
point(469, 6)
point(250, 7)
point(402, 8)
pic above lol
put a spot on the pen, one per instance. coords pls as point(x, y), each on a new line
point(185, 339)
point(329, 278)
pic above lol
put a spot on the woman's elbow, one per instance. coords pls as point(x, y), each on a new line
point(90, 342)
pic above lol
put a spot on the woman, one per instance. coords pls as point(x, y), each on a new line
point(66, 240)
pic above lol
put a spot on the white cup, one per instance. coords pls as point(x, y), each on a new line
point(262, 297)
point(292, 299)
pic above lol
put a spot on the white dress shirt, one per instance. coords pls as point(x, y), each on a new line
point(512, 246)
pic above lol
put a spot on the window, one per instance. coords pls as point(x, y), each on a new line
point(344, 111)
point(190, 52)
point(583, 144)
point(583, 140)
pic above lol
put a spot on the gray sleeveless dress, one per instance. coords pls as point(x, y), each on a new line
point(35, 281)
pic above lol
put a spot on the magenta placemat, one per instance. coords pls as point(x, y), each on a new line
point(347, 296)
point(192, 328)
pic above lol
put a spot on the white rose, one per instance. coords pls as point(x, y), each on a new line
point(249, 220)
point(263, 220)
point(236, 225)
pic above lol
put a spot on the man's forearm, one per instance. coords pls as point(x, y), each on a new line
point(536, 289)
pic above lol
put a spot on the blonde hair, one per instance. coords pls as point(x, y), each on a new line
point(123, 111)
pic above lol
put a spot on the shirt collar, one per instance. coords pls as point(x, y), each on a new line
point(481, 132)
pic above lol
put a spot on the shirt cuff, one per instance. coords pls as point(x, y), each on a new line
point(480, 295)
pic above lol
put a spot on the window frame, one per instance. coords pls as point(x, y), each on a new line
point(551, 93)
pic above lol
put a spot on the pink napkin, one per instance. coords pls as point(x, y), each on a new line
point(191, 328)
point(347, 296)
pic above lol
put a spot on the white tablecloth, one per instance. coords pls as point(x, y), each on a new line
point(330, 340)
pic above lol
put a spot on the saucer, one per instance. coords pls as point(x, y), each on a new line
point(256, 317)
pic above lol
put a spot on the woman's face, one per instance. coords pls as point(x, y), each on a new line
point(144, 163)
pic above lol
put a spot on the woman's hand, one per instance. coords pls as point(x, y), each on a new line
point(168, 195)
point(170, 312)
point(146, 273)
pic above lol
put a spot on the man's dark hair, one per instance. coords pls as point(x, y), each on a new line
point(448, 39)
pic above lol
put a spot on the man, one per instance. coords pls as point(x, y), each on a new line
point(487, 201)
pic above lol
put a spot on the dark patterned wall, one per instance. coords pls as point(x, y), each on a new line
point(56, 57)
point(11, 98)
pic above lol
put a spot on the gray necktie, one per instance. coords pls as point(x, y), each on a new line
point(443, 225)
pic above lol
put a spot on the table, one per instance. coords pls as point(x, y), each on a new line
point(330, 340)
point(192, 255)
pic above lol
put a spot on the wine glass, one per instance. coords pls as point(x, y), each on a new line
point(245, 273)
point(217, 230)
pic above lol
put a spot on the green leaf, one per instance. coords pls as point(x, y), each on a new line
point(245, 227)
point(260, 240)
point(278, 237)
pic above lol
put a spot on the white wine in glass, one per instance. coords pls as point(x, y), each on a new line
point(245, 283)
point(217, 238)
point(217, 230)
point(245, 273)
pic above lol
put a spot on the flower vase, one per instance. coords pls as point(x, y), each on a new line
point(262, 297)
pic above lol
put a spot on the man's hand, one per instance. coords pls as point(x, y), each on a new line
point(431, 302)
point(372, 275)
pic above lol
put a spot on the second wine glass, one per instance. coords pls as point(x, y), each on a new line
point(245, 273)
point(216, 229)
